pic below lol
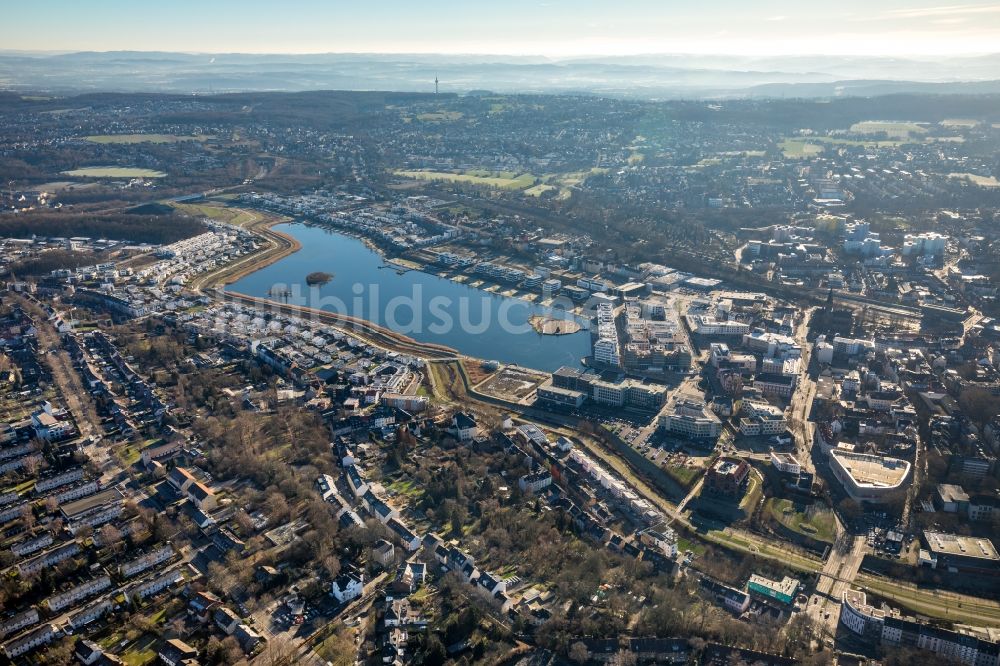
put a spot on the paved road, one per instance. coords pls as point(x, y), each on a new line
point(838, 573)
point(65, 377)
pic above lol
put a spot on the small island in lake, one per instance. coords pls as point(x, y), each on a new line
point(554, 326)
point(318, 277)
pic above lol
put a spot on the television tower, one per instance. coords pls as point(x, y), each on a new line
point(435, 84)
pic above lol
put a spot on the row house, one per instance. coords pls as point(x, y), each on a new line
point(146, 561)
point(71, 596)
point(49, 558)
point(18, 622)
point(24, 644)
point(155, 585)
point(91, 613)
point(29, 546)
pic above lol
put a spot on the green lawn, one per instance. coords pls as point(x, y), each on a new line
point(684, 474)
point(407, 488)
point(696, 547)
point(817, 523)
point(142, 652)
point(753, 493)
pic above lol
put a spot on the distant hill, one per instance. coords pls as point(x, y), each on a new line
point(652, 76)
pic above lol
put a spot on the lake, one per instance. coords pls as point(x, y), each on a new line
point(422, 306)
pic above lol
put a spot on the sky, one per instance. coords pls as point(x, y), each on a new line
point(554, 28)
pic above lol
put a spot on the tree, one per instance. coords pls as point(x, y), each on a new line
point(979, 404)
point(28, 518)
point(110, 537)
point(278, 652)
point(849, 509)
point(434, 651)
point(59, 653)
point(579, 653)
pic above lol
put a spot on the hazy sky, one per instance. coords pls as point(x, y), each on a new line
point(537, 27)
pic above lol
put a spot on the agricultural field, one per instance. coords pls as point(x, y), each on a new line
point(963, 123)
point(504, 180)
point(60, 185)
point(813, 145)
point(144, 138)
point(981, 181)
point(567, 181)
point(114, 172)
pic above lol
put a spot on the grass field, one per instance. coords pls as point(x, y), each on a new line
point(539, 190)
point(981, 181)
point(503, 180)
point(897, 129)
point(686, 475)
point(238, 216)
point(509, 180)
point(114, 172)
point(813, 145)
point(799, 148)
point(817, 523)
point(144, 138)
point(959, 122)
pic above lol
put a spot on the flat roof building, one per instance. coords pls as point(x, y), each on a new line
point(869, 477)
point(958, 552)
point(727, 476)
point(783, 590)
point(690, 418)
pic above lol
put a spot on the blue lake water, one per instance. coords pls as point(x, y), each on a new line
point(422, 306)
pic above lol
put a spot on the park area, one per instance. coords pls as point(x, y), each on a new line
point(812, 520)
